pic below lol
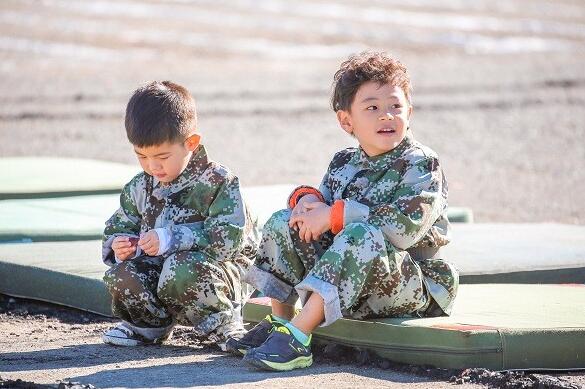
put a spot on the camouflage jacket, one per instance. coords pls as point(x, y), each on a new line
point(202, 209)
point(404, 193)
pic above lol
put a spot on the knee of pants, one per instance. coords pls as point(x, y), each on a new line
point(362, 239)
point(123, 277)
point(278, 223)
point(361, 231)
point(188, 278)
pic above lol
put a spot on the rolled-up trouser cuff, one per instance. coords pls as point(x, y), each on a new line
point(150, 333)
point(327, 291)
point(271, 286)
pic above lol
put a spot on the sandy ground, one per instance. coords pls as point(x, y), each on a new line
point(43, 344)
point(499, 92)
point(47, 344)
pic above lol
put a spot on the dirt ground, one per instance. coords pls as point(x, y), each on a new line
point(47, 344)
point(42, 343)
point(499, 93)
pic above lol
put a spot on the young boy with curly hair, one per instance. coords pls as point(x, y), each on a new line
point(365, 244)
point(182, 238)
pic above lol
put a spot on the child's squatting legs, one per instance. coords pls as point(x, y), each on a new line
point(356, 274)
point(151, 294)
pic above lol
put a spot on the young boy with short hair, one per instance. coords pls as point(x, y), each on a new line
point(182, 238)
point(366, 243)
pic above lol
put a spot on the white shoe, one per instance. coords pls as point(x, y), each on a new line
point(222, 334)
point(122, 335)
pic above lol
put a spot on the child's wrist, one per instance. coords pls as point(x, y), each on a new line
point(302, 191)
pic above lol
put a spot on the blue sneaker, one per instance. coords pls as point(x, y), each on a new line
point(253, 338)
point(281, 352)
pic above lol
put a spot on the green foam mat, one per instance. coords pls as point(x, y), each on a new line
point(56, 219)
point(518, 253)
point(498, 327)
point(65, 273)
point(39, 177)
point(505, 326)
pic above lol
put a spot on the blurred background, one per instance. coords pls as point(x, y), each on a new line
point(499, 86)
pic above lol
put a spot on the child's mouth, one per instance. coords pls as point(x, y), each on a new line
point(386, 131)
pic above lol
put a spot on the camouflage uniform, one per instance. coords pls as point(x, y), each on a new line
point(197, 281)
point(384, 262)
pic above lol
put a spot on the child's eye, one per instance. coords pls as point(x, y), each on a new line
point(397, 106)
point(372, 108)
point(164, 157)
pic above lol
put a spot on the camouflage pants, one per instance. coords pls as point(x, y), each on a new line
point(187, 288)
point(358, 273)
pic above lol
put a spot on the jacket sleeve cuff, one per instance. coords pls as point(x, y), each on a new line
point(181, 238)
point(299, 192)
point(355, 212)
point(344, 212)
point(164, 240)
point(336, 216)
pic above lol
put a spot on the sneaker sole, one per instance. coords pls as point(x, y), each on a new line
point(121, 341)
point(297, 363)
point(236, 348)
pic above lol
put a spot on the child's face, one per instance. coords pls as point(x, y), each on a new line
point(378, 117)
point(165, 161)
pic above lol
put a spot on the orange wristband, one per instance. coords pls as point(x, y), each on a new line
point(300, 192)
point(336, 216)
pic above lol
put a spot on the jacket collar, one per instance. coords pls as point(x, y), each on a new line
point(382, 161)
point(196, 166)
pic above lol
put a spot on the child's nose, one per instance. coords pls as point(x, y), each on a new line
point(387, 116)
point(154, 165)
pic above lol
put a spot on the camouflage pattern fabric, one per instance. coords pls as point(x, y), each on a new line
point(198, 281)
point(394, 205)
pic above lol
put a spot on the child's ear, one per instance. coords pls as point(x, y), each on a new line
point(192, 142)
point(344, 119)
point(410, 108)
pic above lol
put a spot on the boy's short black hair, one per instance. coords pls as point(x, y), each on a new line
point(367, 66)
point(158, 112)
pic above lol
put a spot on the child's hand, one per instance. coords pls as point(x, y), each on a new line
point(149, 243)
point(299, 209)
point(314, 221)
point(124, 247)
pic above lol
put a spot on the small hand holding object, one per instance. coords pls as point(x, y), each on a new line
point(299, 209)
point(149, 243)
point(124, 247)
point(314, 221)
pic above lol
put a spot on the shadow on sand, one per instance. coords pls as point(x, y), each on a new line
point(222, 370)
point(208, 368)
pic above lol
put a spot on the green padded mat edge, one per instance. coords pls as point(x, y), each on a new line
point(492, 348)
point(46, 195)
point(469, 346)
point(552, 276)
point(55, 287)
